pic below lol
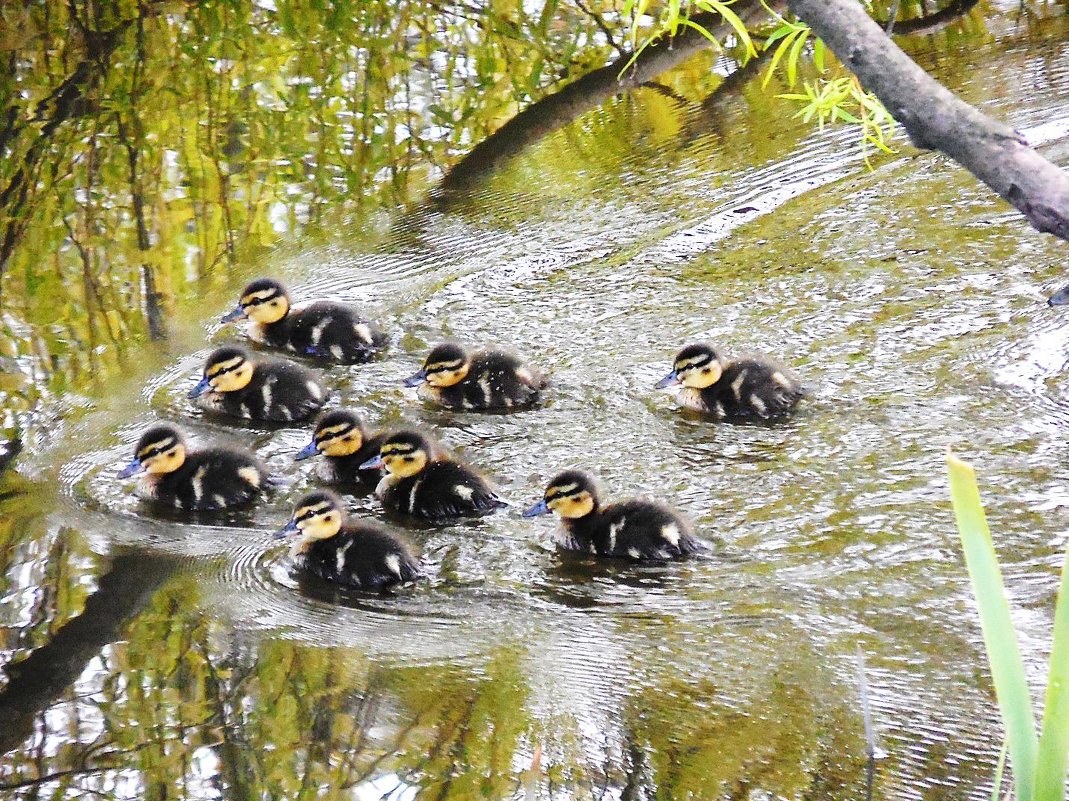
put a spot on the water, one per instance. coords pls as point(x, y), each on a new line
point(907, 298)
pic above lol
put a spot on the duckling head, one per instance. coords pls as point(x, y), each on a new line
point(403, 454)
point(445, 365)
point(227, 369)
point(317, 516)
point(696, 366)
point(161, 449)
point(263, 301)
point(572, 494)
point(337, 433)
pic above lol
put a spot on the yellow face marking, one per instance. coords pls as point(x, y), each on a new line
point(340, 444)
point(166, 462)
point(700, 377)
point(555, 491)
point(158, 445)
point(220, 367)
point(403, 461)
point(266, 306)
point(251, 475)
point(318, 522)
point(572, 506)
point(231, 375)
point(446, 374)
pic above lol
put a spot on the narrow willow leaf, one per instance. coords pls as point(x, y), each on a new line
point(1003, 653)
point(733, 20)
point(1053, 757)
point(792, 59)
point(781, 50)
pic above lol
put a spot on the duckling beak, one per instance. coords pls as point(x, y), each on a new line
point(1059, 298)
point(668, 380)
point(307, 451)
point(372, 463)
point(416, 380)
point(289, 528)
point(202, 386)
point(131, 469)
point(235, 314)
point(540, 508)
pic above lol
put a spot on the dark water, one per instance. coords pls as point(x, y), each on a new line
point(906, 297)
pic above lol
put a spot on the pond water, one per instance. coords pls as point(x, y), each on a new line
point(194, 664)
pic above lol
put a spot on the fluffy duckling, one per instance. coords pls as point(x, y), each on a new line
point(361, 555)
point(203, 480)
point(340, 436)
point(738, 389)
point(486, 379)
point(420, 481)
point(322, 329)
point(258, 389)
point(634, 528)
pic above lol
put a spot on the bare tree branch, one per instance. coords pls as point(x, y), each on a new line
point(936, 119)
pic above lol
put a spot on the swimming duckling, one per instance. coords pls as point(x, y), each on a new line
point(420, 481)
point(323, 329)
point(341, 437)
point(754, 387)
point(635, 528)
point(204, 480)
point(258, 389)
point(361, 555)
point(486, 379)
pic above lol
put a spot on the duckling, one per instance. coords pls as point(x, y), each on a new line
point(340, 436)
point(738, 389)
point(203, 480)
point(361, 555)
point(486, 379)
point(637, 529)
point(322, 329)
point(420, 481)
point(258, 389)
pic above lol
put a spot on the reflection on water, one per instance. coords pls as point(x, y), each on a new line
point(195, 665)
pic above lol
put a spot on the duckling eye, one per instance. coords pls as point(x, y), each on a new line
point(706, 370)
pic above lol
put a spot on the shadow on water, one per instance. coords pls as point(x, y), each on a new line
point(150, 656)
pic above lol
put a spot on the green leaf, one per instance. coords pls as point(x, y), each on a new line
point(1000, 639)
point(1053, 757)
point(784, 46)
point(733, 20)
point(792, 60)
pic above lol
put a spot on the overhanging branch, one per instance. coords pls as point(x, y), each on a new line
point(936, 119)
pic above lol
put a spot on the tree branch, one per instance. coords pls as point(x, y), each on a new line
point(554, 111)
point(930, 22)
point(936, 119)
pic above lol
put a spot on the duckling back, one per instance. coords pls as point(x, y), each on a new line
point(635, 529)
point(363, 556)
point(750, 388)
point(495, 380)
point(443, 490)
point(280, 391)
point(327, 330)
point(209, 480)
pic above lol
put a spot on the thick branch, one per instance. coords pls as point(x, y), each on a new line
point(554, 111)
point(934, 21)
point(936, 119)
